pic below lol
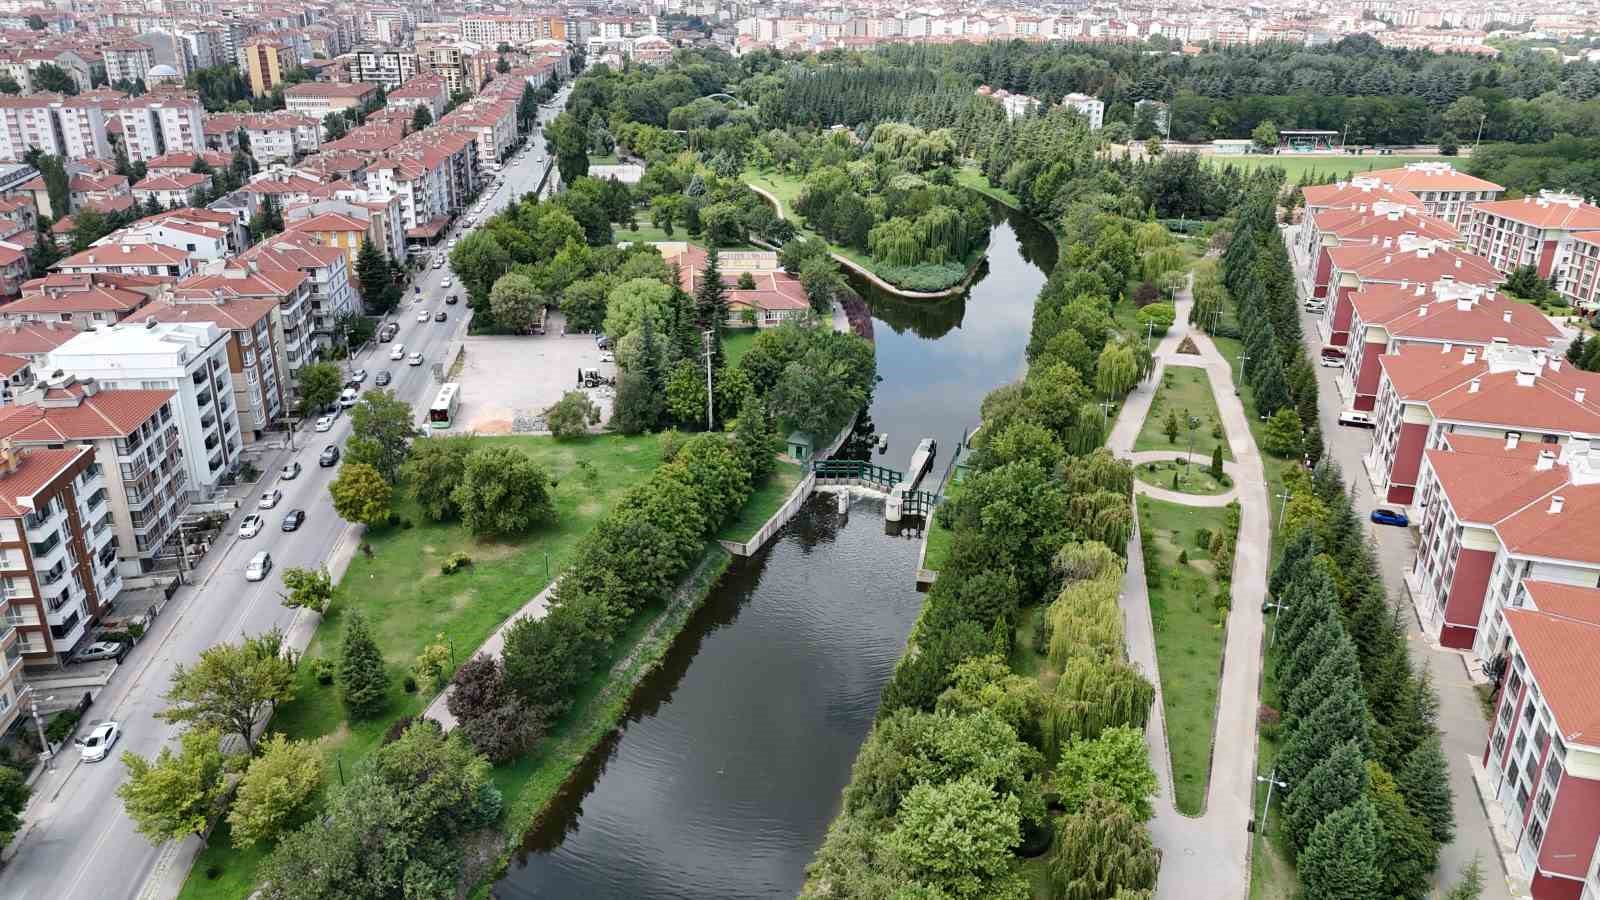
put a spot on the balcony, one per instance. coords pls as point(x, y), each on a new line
point(107, 556)
point(203, 399)
point(46, 547)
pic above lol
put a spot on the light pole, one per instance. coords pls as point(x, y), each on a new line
point(1283, 506)
point(1149, 328)
point(1278, 608)
point(1272, 782)
point(709, 335)
point(1481, 119)
point(1239, 373)
point(33, 706)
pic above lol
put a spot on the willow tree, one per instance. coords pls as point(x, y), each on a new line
point(1093, 695)
point(1100, 852)
point(1085, 621)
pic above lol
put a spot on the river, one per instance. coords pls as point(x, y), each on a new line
point(729, 766)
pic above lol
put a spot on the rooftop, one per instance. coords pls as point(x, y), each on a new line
point(1559, 648)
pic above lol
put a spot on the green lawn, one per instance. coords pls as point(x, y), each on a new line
point(971, 177)
point(407, 602)
point(763, 502)
point(940, 538)
point(1324, 166)
point(610, 159)
point(1194, 478)
point(1189, 634)
point(736, 344)
point(1185, 390)
point(644, 232)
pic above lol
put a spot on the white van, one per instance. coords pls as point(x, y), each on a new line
point(1355, 418)
point(348, 398)
point(398, 351)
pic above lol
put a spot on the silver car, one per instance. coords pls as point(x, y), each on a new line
point(98, 744)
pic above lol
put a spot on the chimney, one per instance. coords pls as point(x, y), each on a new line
point(1388, 258)
point(1422, 310)
point(1458, 262)
point(1473, 387)
point(1579, 394)
point(1512, 437)
point(1506, 316)
point(1526, 377)
point(1556, 503)
point(1546, 461)
point(9, 457)
point(1469, 357)
point(1387, 243)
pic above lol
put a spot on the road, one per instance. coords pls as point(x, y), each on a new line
point(76, 843)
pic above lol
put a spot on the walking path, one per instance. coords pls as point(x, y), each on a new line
point(1207, 856)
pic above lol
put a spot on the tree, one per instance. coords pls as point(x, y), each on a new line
point(361, 494)
point(498, 723)
point(318, 384)
point(1408, 854)
point(422, 118)
point(8, 85)
point(479, 260)
point(1117, 760)
point(1339, 718)
point(308, 588)
point(233, 686)
point(1117, 371)
point(335, 125)
point(1265, 137)
point(1425, 784)
point(14, 794)
point(433, 663)
point(363, 682)
point(503, 492)
point(1470, 887)
point(36, 22)
point(1102, 852)
point(514, 300)
point(956, 839)
point(177, 794)
point(820, 278)
point(1216, 462)
point(385, 420)
point(571, 416)
point(267, 221)
point(1336, 782)
point(375, 273)
point(1341, 861)
point(277, 787)
point(434, 469)
point(711, 304)
point(1170, 427)
point(756, 439)
point(501, 65)
point(1282, 437)
point(1449, 144)
point(52, 79)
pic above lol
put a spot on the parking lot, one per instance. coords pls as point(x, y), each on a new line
point(508, 382)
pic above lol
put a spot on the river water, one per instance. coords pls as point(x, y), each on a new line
point(729, 766)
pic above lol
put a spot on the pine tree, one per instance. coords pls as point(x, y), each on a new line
point(1336, 782)
point(363, 682)
point(375, 277)
point(647, 364)
point(1336, 663)
point(711, 305)
point(756, 438)
point(1575, 350)
point(1341, 861)
point(1407, 853)
point(1296, 554)
point(1216, 462)
point(1341, 717)
point(682, 337)
point(1425, 783)
point(1304, 647)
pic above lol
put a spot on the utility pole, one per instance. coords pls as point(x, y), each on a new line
point(1239, 373)
point(1149, 329)
point(1272, 782)
point(709, 335)
point(33, 701)
point(1481, 119)
point(1283, 506)
point(1277, 607)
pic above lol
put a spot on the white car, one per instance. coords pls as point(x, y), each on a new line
point(269, 499)
point(446, 282)
point(438, 262)
point(250, 525)
point(422, 316)
point(259, 566)
point(325, 423)
point(359, 376)
point(608, 358)
point(98, 744)
point(398, 351)
point(348, 397)
point(414, 360)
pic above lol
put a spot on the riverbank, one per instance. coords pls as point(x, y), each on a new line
point(781, 193)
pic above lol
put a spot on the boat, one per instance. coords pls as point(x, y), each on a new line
point(883, 441)
point(921, 459)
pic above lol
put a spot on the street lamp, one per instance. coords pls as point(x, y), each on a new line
point(1243, 357)
point(1283, 506)
point(1279, 607)
point(33, 704)
point(1272, 782)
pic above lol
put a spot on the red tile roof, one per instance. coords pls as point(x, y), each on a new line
point(35, 470)
point(106, 414)
point(1485, 488)
point(1560, 651)
point(1432, 176)
point(1545, 212)
point(1356, 193)
point(1405, 312)
point(1413, 265)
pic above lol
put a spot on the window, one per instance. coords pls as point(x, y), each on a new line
point(1535, 834)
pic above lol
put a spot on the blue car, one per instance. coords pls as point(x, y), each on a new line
point(1390, 517)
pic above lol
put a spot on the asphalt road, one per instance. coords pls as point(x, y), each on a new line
point(77, 843)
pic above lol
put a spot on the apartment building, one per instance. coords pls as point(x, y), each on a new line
point(244, 303)
point(1359, 192)
point(492, 31)
point(80, 301)
point(1369, 225)
point(456, 63)
point(172, 191)
point(1092, 109)
point(130, 259)
point(332, 292)
point(388, 66)
point(266, 63)
point(128, 61)
point(1408, 260)
point(156, 124)
point(317, 99)
point(58, 555)
point(13, 691)
point(1534, 231)
point(274, 137)
point(1442, 316)
point(59, 127)
point(1540, 758)
point(135, 439)
point(188, 358)
point(1446, 192)
point(426, 90)
point(1579, 281)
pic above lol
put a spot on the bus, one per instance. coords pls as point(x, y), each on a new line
point(443, 411)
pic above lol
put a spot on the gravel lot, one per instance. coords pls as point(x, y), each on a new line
point(508, 382)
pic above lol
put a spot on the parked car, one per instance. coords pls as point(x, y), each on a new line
point(388, 331)
point(259, 566)
point(438, 262)
point(603, 342)
point(101, 650)
point(383, 378)
point(250, 525)
point(608, 357)
point(452, 300)
point(441, 316)
point(329, 457)
point(324, 423)
point(1331, 361)
point(1355, 418)
point(398, 351)
point(293, 519)
point(358, 376)
point(348, 397)
point(291, 471)
point(422, 315)
point(98, 744)
point(269, 499)
point(414, 360)
point(446, 282)
point(1390, 517)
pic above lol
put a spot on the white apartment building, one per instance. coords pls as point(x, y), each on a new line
point(67, 128)
point(158, 124)
point(1092, 109)
point(128, 61)
point(388, 66)
point(188, 358)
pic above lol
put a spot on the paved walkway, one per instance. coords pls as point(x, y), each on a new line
point(495, 645)
point(1206, 856)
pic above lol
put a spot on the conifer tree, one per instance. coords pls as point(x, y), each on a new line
point(1339, 718)
point(1336, 782)
point(711, 305)
point(363, 682)
point(1407, 853)
point(1337, 662)
point(1425, 783)
point(1340, 861)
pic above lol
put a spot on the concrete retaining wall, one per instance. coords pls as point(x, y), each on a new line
point(797, 498)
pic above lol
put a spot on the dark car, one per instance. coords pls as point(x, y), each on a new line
point(1390, 517)
point(293, 519)
point(383, 378)
point(440, 316)
point(329, 457)
point(451, 300)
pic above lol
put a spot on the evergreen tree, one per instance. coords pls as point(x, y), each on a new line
point(1575, 349)
point(1272, 390)
point(711, 305)
point(422, 118)
point(1407, 852)
point(1302, 545)
point(1336, 782)
point(1340, 861)
point(756, 438)
point(1339, 718)
point(682, 337)
point(375, 276)
point(363, 682)
point(1304, 647)
point(1425, 784)
point(1336, 663)
point(1216, 462)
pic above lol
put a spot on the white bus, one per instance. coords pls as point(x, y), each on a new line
point(443, 411)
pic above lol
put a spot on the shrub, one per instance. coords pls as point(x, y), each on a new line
point(61, 726)
point(1145, 294)
point(323, 670)
point(1158, 315)
point(455, 563)
point(410, 685)
point(398, 729)
point(213, 872)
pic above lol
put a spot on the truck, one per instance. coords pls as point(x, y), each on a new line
point(591, 378)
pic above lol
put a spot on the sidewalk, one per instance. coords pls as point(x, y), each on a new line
point(1207, 856)
point(494, 645)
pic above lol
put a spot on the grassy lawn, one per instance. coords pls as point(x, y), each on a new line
point(1187, 391)
point(763, 502)
point(645, 232)
point(1191, 479)
point(407, 602)
point(940, 538)
point(1323, 166)
point(736, 344)
point(609, 159)
point(1188, 630)
point(970, 177)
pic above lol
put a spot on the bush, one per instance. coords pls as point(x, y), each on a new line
point(323, 670)
point(924, 277)
point(455, 563)
point(1145, 294)
point(213, 872)
point(1158, 315)
point(398, 729)
point(61, 726)
point(410, 685)
point(572, 415)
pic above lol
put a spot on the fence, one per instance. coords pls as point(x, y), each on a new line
point(880, 477)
